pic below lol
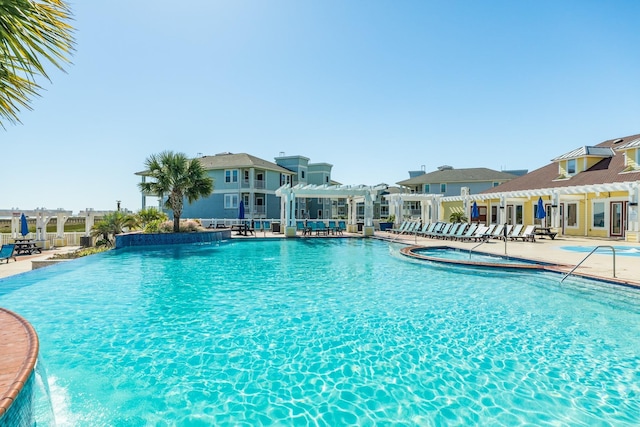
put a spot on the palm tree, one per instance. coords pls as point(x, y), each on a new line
point(111, 224)
point(178, 178)
point(148, 215)
point(30, 31)
point(457, 217)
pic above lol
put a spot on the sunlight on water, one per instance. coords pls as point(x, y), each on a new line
point(326, 332)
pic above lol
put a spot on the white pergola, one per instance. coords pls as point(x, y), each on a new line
point(353, 193)
point(557, 195)
point(42, 216)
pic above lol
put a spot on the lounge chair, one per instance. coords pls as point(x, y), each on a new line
point(443, 231)
point(489, 232)
point(301, 227)
point(266, 226)
point(515, 232)
point(498, 232)
point(411, 228)
point(437, 229)
point(400, 229)
point(333, 228)
point(459, 232)
point(481, 233)
point(6, 252)
point(427, 228)
point(342, 226)
point(468, 235)
point(452, 231)
point(528, 234)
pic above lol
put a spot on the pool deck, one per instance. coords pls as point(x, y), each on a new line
point(599, 265)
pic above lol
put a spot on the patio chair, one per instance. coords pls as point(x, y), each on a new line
point(458, 233)
point(333, 228)
point(481, 233)
point(497, 232)
point(451, 232)
point(301, 227)
point(468, 235)
point(6, 252)
point(413, 225)
point(436, 230)
point(342, 226)
point(321, 228)
point(443, 231)
point(266, 226)
point(528, 234)
point(400, 229)
point(515, 232)
point(427, 228)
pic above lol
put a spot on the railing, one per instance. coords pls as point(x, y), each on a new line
point(590, 253)
point(70, 238)
point(478, 245)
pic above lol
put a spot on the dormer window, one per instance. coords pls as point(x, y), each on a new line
point(571, 167)
point(631, 152)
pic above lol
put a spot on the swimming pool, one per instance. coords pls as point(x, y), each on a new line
point(326, 332)
point(620, 250)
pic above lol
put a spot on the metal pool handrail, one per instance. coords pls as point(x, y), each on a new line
point(590, 253)
point(479, 244)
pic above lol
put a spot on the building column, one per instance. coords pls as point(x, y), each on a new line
point(367, 229)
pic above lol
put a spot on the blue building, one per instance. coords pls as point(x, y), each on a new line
point(254, 181)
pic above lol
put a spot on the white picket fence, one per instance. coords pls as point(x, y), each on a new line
point(70, 239)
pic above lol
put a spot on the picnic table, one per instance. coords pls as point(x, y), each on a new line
point(242, 229)
point(545, 231)
point(26, 247)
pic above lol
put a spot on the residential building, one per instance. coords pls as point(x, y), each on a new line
point(447, 181)
point(588, 191)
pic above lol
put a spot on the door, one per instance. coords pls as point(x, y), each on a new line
point(617, 218)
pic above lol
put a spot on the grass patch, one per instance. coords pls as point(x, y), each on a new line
point(81, 252)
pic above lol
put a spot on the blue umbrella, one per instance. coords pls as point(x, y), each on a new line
point(24, 227)
point(540, 213)
point(241, 210)
point(474, 211)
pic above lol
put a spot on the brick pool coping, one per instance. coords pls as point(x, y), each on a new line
point(19, 353)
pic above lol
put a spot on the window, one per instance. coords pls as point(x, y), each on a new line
point(302, 174)
point(494, 214)
point(285, 179)
point(427, 188)
point(571, 166)
point(231, 201)
point(519, 215)
point(495, 184)
point(231, 175)
point(572, 215)
point(598, 215)
point(326, 179)
point(443, 188)
point(637, 158)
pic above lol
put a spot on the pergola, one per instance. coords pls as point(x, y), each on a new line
point(42, 216)
point(556, 195)
point(352, 193)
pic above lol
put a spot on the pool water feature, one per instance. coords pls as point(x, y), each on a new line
point(325, 332)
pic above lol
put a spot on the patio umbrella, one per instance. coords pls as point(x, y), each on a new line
point(241, 210)
point(24, 227)
point(474, 211)
point(540, 213)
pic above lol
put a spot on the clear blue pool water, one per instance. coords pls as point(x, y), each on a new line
point(620, 250)
point(326, 332)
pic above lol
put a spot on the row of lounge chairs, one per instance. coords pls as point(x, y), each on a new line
point(467, 232)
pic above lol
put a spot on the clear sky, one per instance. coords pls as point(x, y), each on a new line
point(376, 88)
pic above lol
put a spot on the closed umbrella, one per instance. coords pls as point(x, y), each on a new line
point(474, 211)
point(540, 213)
point(24, 227)
point(241, 210)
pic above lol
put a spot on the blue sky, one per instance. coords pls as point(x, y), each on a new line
point(376, 88)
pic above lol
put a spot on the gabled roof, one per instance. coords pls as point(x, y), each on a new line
point(236, 161)
point(587, 150)
point(605, 171)
point(458, 175)
point(634, 143)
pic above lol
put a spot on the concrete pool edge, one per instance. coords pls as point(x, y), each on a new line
point(411, 252)
point(19, 348)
